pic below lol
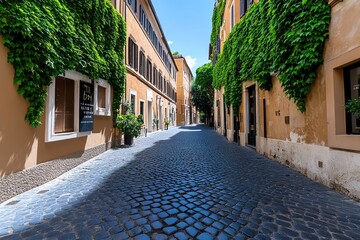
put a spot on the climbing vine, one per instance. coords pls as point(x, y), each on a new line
point(283, 37)
point(47, 37)
point(217, 19)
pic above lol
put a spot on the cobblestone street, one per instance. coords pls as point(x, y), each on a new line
point(184, 183)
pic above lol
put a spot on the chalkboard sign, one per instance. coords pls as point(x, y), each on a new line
point(86, 108)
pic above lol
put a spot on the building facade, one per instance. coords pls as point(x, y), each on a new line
point(151, 69)
point(323, 143)
point(77, 118)
point(185, 113)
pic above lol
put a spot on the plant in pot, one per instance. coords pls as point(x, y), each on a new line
point(166, 122)
point(130, 125)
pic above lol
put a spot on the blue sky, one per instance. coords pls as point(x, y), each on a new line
point(187, 27)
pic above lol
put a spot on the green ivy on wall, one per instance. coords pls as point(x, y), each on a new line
point(47, 37)
point(285, 37)
point(217, 19)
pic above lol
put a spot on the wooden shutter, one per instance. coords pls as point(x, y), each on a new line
point(64, 105)
point(101, 97)
point(136, 57)
point(130, 53)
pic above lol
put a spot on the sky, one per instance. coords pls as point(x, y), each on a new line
point(187, 28)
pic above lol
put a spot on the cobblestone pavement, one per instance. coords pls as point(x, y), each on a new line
point(184, 183)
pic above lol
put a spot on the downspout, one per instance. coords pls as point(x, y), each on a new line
point(125, 53)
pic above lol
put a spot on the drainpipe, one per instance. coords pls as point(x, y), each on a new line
point(125, 62)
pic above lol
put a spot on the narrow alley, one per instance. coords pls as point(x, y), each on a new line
point(184, 183)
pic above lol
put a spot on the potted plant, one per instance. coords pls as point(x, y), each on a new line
point(130, 125)
point(166, 122)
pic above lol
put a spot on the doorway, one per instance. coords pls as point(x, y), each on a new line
point(252, 116)
point(236, 128)
point(149, 116)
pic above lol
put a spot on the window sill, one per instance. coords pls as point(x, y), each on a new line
point(66, 136)
point(345, 141)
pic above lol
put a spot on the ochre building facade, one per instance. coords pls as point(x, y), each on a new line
point(323, 143)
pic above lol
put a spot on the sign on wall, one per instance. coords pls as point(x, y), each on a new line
point(86, 108)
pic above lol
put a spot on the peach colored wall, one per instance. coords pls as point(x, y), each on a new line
point(22, 146)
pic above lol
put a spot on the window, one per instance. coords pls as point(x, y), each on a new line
point(244, 6)
point(142, 16)
point(133, 101)
point(232, 17)
point(142, 107)
point(114, 3)
point(133, 54)
point(69, 107)
point(159, 81)
point(64, 105)
point(133, 5)
point(163, 85)
point(338, 78)
point(142, 63)
point(149, 70)
point(102, 98)
point(154, 76)
point(352, 91)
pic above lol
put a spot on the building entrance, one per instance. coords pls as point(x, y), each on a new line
point(252, 116)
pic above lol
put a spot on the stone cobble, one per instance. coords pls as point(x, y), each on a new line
point(184, 183)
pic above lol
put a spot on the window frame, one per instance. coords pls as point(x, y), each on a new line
point(98, 111)
point(143, 102)
point(335, 92)
point(50, 135)
point(133, 54)
point(133, 93)
point(347, 89)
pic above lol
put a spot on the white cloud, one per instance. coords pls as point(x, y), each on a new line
point(170, 42)
point(191, 61)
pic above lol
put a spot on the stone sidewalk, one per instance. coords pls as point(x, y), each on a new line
point(184, 183)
